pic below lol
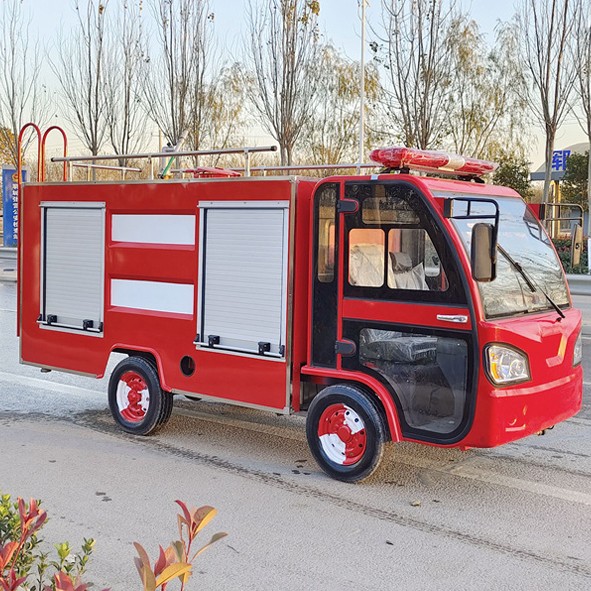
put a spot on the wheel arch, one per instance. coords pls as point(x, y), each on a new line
point(370, 386)
point(146, 353)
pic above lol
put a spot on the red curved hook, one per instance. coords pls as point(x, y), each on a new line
point(42, 152)
point(19, 157)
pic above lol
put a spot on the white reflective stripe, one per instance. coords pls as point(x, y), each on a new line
point(153, 295)
point(353, 421)
point(333, 447)
point(154, 229)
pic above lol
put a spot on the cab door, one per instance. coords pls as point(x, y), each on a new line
point(400, 310)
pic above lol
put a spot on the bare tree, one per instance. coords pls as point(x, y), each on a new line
point(175, 75)
point(283, 57)
point(331, 135)
point(123, 60)
point(221, 112)
point(79, 67)
point(418, 63)
point(582, 59)
point(486, 103)
point(22, 97)
point(546, 30)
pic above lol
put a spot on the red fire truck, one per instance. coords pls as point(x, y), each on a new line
point(387, 307)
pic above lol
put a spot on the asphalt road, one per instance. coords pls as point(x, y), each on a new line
point(516, 517)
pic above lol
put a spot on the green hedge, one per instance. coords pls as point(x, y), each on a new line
point(563, 248)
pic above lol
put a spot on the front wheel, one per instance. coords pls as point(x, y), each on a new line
point(136, 399)
point(346, 432)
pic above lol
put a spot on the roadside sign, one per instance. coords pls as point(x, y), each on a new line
point(10, 204)
point(559, 158)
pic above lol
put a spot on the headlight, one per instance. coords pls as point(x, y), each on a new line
point(506, 365)
point(578, 352)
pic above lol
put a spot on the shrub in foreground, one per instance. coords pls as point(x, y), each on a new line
point(24, 567)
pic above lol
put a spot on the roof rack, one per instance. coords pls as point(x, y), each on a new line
point(70, 161)
point(151, 156)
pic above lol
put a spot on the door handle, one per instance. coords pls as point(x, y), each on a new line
point(455, 318)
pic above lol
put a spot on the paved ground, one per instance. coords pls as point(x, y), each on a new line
point(516, 517)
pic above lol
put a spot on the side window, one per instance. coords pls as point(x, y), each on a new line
point(366, 257)
point(414, 262)
point(326, 220)
point(324, 275)
point(428, 373)
point(394, 244)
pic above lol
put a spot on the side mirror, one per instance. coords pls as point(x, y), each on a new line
point(483, 256)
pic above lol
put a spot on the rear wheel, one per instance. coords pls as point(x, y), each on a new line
point(136, 399)
point(346, 432)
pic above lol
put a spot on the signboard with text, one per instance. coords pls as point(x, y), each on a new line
point(559, 158)
point(10, 205)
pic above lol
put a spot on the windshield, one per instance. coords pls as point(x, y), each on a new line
point(524, 239)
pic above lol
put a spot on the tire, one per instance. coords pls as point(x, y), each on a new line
point(137, 402)
point(166, 409)
point(346, 433)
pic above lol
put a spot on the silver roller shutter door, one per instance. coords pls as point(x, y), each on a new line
point(73, 262)
point(244, 277)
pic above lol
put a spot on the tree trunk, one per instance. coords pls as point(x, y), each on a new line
point(550, 136)
point(283, 154)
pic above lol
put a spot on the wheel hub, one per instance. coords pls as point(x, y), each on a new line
point(342, 434)
point(133, 397)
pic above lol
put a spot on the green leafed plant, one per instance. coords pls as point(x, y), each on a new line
point(176, 561)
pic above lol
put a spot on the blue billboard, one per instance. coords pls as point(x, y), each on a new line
point(10, 205)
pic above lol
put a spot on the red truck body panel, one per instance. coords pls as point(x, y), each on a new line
point(168, 336)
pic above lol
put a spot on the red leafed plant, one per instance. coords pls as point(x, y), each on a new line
point(31, 519)
point(19, 524)
point(63, 582)
point(176, 561)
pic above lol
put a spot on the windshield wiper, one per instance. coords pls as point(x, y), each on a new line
point(533, 286)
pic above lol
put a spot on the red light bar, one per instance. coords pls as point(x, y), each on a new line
point(431, 161)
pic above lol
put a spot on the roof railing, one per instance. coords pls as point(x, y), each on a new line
point(151, 156)
point(91, 168)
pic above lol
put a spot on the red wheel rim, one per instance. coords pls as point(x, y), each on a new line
point(342, 434)
point(133, 397)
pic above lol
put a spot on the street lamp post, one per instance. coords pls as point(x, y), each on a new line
point(362, 88)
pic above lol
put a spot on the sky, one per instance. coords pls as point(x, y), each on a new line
point(340, 23)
